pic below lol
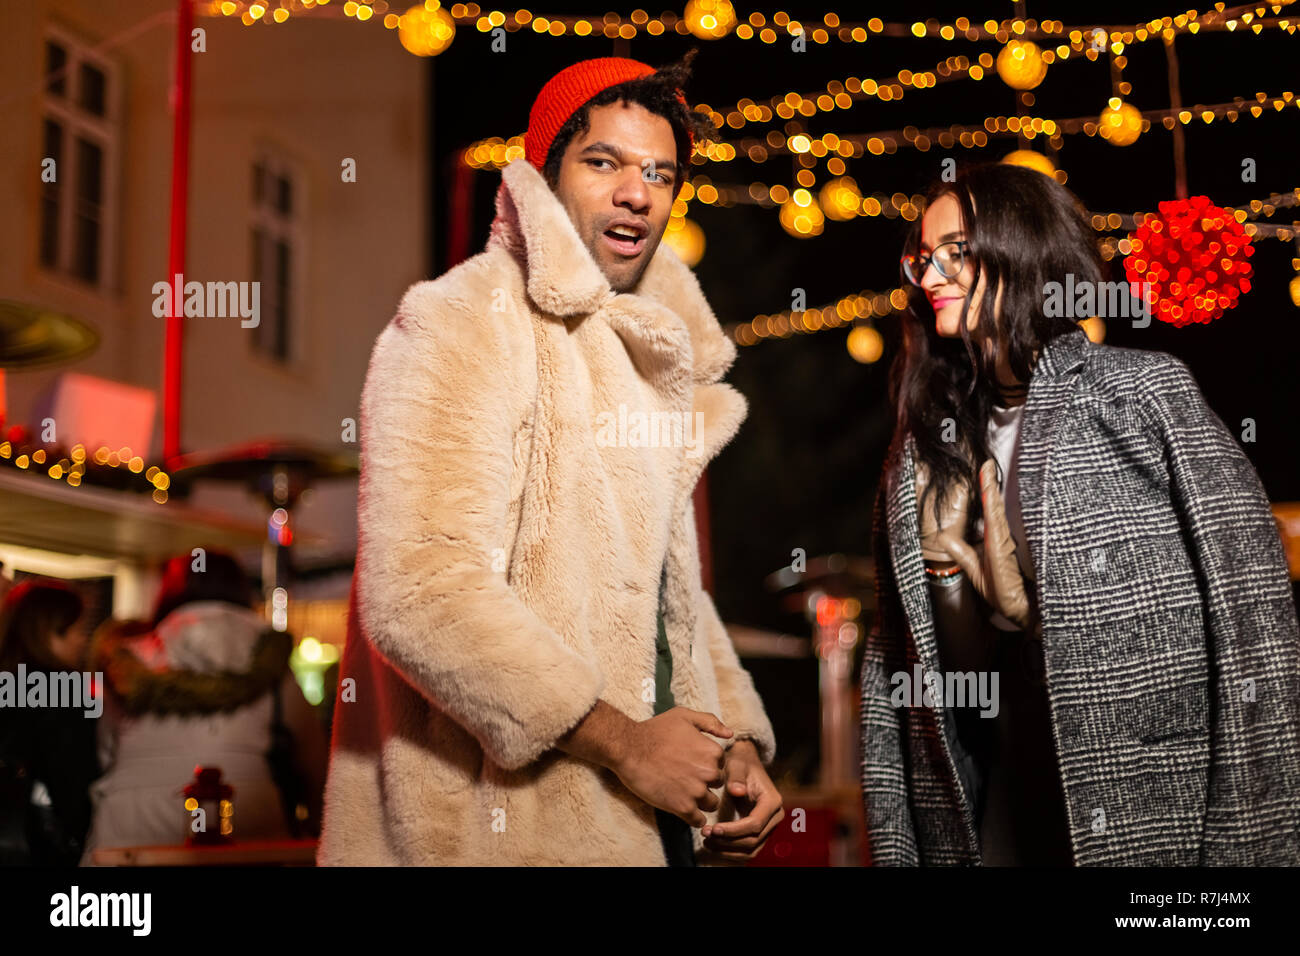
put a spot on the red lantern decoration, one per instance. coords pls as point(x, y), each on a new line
point(1194, 255)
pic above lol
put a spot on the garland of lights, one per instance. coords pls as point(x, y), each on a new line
point(1119, 122)
point(1193, 254)
point(842, 312)
point(869, 304)
point(495, 152)
point(428, 29)
point(119, 470)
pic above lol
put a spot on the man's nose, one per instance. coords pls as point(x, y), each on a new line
point(632, 190)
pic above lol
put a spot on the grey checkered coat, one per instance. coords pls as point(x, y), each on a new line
point(1165, 602)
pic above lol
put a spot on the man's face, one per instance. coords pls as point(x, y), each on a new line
point(617, 182)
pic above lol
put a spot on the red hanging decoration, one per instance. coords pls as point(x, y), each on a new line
point(1194, 254)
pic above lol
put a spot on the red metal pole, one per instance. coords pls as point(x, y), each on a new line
point(173, 343)
point(460, 210)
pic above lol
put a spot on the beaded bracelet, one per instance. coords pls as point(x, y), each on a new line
point(950, 572)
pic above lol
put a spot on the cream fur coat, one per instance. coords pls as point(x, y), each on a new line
point(510, 550)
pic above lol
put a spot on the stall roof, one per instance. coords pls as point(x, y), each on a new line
point(41, 513)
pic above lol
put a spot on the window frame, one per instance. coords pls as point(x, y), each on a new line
point(103, 131)
point(291, 230)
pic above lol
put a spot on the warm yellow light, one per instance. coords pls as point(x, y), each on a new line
point(1031, 159)
point(1021, 65)
point(865, 344)
point(426, 32)
point(1295, 291)
point(710, 19)
point(841, 199)
point(801, 216)
point(686, 238)
point(1094, 328)
point(1120, 123)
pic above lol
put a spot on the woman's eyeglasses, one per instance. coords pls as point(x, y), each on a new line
point(949, 258)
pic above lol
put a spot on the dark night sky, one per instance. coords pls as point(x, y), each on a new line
point(802, 471)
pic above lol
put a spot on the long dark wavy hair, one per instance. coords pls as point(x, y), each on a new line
point(1024, 230)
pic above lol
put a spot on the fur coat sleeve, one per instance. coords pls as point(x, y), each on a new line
point(435, 606)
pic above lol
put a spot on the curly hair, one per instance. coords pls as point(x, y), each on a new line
point(658, 94)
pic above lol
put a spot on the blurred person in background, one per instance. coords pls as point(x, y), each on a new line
point(47, 754)
point(208, 684)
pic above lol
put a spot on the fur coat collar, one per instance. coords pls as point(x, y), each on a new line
point(564, 280)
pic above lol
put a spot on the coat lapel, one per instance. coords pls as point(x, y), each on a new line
point(561, 277)
point(667, 326)
point(1050, 392)
point(676, 346)
point(905, 553)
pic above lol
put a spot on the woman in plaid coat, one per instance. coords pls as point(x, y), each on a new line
point(1094, 658)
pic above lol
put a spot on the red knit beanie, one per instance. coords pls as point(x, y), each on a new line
point(565, 92)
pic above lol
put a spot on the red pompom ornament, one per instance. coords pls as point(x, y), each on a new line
point(1195, 256)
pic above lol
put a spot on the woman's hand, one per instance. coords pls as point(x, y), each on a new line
point(949, 522)
point(993, 568)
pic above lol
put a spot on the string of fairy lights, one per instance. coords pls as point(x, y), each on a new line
point(716, 19)
point(429, 28)
point(104, 466)
point(1119, 123)
point(866, 345)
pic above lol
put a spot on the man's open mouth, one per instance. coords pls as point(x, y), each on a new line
point(627, 239)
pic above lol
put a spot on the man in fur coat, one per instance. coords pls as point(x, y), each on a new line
point(533, 673)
